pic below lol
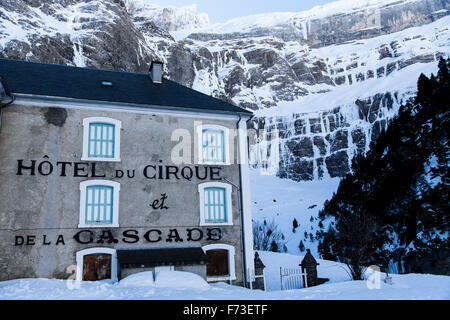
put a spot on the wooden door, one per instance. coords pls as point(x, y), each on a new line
point(217, 263)
point(96, 267)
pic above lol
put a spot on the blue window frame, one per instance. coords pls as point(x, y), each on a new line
point(213, 145)
point(99, 204)
point(215, 205)
point(101, 140)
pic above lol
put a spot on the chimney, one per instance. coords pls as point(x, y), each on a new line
point(156, 71)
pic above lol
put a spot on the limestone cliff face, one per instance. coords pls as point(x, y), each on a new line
point(340, 68)
point(321, 144)
point(335, 23)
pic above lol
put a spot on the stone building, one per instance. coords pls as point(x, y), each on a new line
point(106, 173)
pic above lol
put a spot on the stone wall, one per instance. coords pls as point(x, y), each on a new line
point(39, 212)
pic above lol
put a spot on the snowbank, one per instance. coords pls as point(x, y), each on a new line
point(141, 279)
point(334, 271)
point(173, 279)
point(410, 286)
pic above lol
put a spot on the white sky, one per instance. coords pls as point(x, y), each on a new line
point(221, 11)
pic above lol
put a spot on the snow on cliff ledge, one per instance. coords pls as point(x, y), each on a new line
point(169, 18)
point(268, 20)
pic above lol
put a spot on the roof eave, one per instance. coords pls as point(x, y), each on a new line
point(123, 105)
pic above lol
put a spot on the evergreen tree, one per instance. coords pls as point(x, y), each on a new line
point(294, 225)
point(401, 186)
point(301, 246)
point(274, 246)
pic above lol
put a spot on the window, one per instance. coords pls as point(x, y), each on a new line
point(215, 204)
point(221, 265)
point(101, 139)
point(96, 267)
point(213, 144)
point(99, 204)
point(217, 263)
point(96, 264)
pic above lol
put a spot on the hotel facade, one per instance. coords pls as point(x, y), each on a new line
point(104, 174)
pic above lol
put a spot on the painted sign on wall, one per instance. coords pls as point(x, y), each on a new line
point(129, 236)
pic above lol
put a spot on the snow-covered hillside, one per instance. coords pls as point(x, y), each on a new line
point(328, 78)
point(169, 18)
point(301, 21)
point(173, 285)
point(284, 200)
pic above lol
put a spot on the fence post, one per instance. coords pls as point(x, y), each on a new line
point(281, 277)
point(309, 265)
point(264, 280)
point(258, 272)
point(250, 274)
point(305, 279)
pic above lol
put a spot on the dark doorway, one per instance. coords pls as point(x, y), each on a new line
point(96, 267)
point(217, 263)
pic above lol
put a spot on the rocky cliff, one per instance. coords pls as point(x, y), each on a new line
point(327, 79)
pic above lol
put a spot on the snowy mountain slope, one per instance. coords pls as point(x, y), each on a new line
point(365, 83)
point(283, 200)
point(169, 18)
point(328, 79)
point(262, 70)
point(83, 33)
point(332, 23)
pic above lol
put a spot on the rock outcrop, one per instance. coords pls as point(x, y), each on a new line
point(352, 53)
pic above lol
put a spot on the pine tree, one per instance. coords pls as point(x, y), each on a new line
point(274, 246)
point(301, 246)
point(401, 185)
point(294, 225)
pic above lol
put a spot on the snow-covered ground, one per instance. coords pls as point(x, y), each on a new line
point(284, 200)
point(175, 285)
point(334, 271)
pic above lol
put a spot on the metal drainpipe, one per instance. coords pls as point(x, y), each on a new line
point(6, 104)
point(241, 209)
point(244, 262)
